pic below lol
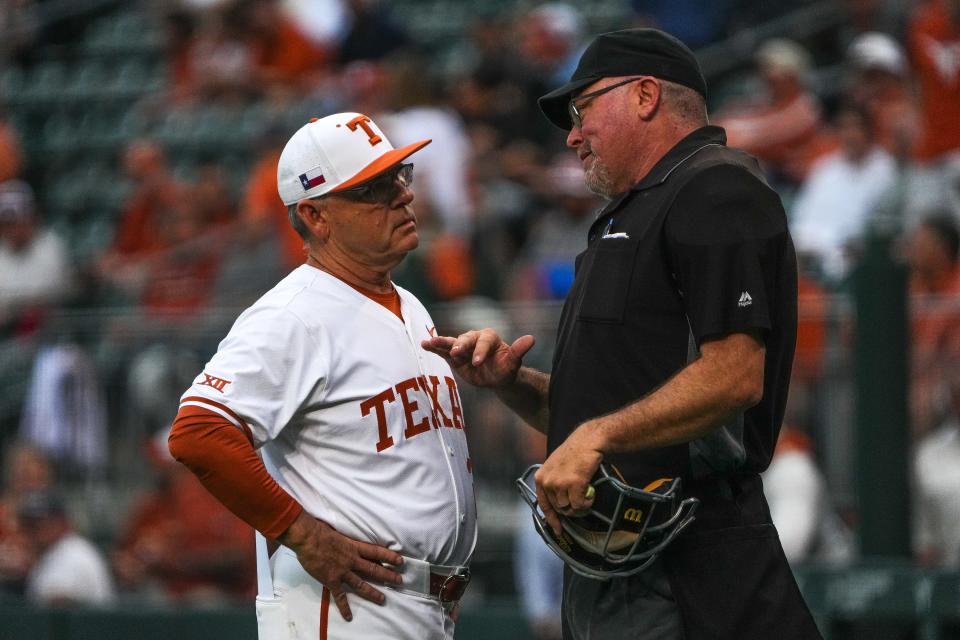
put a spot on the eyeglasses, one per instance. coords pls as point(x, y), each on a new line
point(381, 189)
point(576, 116)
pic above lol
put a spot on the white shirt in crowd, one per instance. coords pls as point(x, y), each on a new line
point(801, 509)
point(71, 570)
point(38, 274)
point(835, 202)
point(937, 504)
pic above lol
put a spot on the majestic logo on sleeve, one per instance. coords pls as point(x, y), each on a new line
point(410, 393)
point(745, 299)
point(214, 381)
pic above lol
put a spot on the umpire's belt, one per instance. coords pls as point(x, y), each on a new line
point(445, 583)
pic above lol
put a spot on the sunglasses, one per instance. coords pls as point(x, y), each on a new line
point(576, 116)
point(382, 189)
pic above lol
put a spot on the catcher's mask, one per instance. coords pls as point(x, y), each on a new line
point(625, 528)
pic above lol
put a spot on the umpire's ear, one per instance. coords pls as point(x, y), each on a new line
point(313, 214)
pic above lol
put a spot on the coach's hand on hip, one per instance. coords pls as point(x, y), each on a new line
point(340, 563)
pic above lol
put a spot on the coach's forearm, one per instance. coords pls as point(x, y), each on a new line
point(527, 397)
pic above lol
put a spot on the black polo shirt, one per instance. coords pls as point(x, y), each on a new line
point(699, 248)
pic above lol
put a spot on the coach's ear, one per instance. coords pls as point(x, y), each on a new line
point(314, 216)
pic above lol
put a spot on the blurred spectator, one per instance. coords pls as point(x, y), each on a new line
point(800, 505)
point(263, 216)
point(239, 50)
point(69, 569)
point(934, 46)
point(168, 248)
point(932, 253)
point(841, 192)
point(179, 278)
point(551, 41)
point(11, 158)
point(284, 58)
point(783, 127)
point(64, 413)
point(936, 467)
point(443, 168)
point(880, 80)
point(543, 270)
point(449, 267)
point(217, 62)
point(812, 309)
point(137, 235)
point(696, 23)
point(34, 271)
point(26, 469)
point(323, 21)
point(372, 33)
point(934, 42)
point(180, 543)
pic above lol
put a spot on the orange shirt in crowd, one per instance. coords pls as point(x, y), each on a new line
point(287, 56)
point(180, 282)
point(789, 136)
point(934, 343)
point(935, 314)
point(191, 543)
point(11, 159)
point(934, 43)
point(811, 329)
point(262, 205)
point(139, 233)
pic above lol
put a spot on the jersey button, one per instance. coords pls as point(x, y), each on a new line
point(450, 450)
point(463, 518)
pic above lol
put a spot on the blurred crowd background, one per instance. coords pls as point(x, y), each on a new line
point(139, 215)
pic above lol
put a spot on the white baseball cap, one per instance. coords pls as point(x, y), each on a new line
point(875, 50)
point(335, 153)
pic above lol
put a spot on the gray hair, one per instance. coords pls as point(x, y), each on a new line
point(297, 223)
point(684, 103)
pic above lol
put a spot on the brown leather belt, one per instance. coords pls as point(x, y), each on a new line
point(449, 588)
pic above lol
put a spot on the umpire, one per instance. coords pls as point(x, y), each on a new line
point(674, 349)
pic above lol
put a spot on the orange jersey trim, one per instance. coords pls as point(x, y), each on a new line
point(224, 460)
point(324, 613)
point(230, 412)
point(390, 301)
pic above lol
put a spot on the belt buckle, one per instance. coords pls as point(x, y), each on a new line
point(453, 586)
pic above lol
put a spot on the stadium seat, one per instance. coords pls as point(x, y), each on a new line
point(45, 84)
point(85, 82)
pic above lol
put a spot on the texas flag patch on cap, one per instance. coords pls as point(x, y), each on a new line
point(312, 178)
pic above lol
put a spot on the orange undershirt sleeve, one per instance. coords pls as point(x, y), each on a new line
point(224, 460)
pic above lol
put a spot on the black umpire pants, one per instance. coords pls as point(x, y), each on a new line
point(724, 578)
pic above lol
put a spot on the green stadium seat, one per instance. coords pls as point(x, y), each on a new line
point(59, 133)
point(45, 83)
point(12, 81)
point(86, 82)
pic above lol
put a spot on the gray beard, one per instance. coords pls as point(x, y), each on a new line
point(598, 179)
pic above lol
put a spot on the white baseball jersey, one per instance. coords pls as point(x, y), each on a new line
point(354, 419)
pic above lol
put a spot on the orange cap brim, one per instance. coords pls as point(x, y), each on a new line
point(381, 164)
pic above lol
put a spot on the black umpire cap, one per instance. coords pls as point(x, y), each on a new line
point(627, 52)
